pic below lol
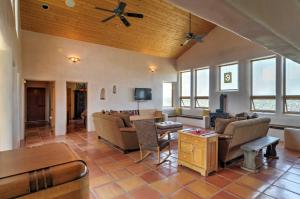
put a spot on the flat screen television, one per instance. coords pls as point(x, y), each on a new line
point(142, 94)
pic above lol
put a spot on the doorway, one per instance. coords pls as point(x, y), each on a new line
point(39, 104)
point(76, 106)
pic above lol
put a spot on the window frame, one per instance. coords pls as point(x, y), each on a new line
point(196, 97)
point(238, 76)
point(180, 92)
point(172, 95)
point(266, 97)
point(287, 97)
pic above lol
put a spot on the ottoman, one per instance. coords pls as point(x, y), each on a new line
point(46, 171)
point(292, 139)
point(168, 126)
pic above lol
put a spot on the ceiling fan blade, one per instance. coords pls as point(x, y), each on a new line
point(121, 7)
point(136, 15)
point(198, 38)
point(185, 42)
point(103, 9)
point(124, 20)
point(108, 18)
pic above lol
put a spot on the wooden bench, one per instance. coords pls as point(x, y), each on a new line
point(252, 149)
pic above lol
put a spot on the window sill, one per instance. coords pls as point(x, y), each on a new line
point(228, 91)
point(264, 113)
point(292, 114)
point(186, 108)
point(168, 107)
point(191, 117)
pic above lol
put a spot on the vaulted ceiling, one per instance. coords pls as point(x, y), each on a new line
point(159, 33)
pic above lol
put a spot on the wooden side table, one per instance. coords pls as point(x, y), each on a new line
point(198, 152)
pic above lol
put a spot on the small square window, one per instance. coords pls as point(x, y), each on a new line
point(229, 77)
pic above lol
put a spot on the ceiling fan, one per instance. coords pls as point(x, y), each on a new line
point(191, 36)
point(119, 11)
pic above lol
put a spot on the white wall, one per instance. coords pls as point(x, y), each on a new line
point(10, 78)
point(44, 58)
point(222, 46)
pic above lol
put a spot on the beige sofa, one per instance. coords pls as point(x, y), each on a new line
point(111, 128)
point(238, 133)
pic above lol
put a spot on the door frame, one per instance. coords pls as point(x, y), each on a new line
point(53, 111)
point(87, 103)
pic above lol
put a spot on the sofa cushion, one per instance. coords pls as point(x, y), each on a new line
point(128, 129)
point(222, 123)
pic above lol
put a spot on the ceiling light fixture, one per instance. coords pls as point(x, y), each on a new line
point(74, 59)
point(45, 6)
point(70, 3)
point(152, 68)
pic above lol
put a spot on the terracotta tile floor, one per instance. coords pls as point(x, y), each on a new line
point(115, 175)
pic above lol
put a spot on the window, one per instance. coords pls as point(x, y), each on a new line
point(263, 97)
point(185, 88)
point(167, 94)
point(202, 88)
point(229, 77)
point(292, 87)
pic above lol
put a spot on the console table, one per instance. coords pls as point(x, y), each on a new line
point(198, 152)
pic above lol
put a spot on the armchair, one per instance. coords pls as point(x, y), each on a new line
point(148, 139)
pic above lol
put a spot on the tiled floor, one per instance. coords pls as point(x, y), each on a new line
point(281, 179)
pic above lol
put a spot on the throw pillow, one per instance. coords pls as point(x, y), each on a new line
point(120, 121)
point(125, 117)
point(221, 124)
point(243, 114)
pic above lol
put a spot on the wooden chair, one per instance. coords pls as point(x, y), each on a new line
point(148, 139)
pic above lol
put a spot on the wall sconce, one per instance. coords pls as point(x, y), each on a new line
point(114, 89)
point(152, 69)
point(102, 94)
point(74, 59)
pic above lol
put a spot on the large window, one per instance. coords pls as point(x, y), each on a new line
point(292, 87)
point(229, 77)
point(185, 88)
point(202, 88)
point(167, 94)
point(263, 96)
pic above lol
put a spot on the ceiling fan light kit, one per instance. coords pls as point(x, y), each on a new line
point(70, 3)
point(119, 11)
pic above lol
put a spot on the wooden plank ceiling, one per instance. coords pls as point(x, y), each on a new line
point(160, 33)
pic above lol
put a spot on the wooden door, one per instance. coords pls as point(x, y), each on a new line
point(36, 104)
point(52, 105)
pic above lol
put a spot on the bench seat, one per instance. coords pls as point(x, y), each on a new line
point(251, 150)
